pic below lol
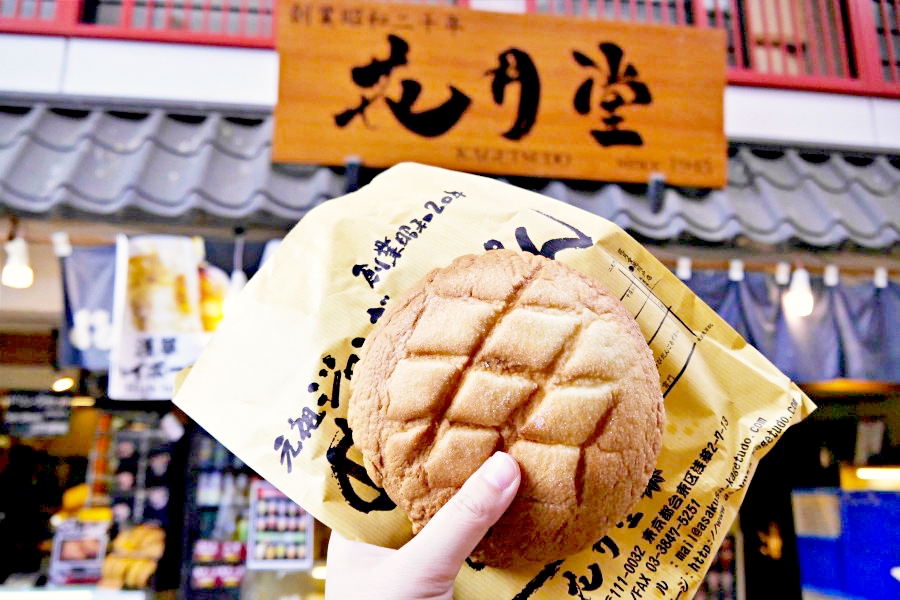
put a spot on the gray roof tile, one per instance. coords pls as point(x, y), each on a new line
point(758, 217)
point(182, 139)
point(14, 125)
point(109, 162)
point(168, 178)
point(62, 131)
point(124, 135)
point(775, 167)
point(879, 178)
point(818, 167)
point(105, 162)
point(245, 141)
point(738, 173)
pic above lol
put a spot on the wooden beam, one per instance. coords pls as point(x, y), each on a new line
point(850, 388)
point(27, 349)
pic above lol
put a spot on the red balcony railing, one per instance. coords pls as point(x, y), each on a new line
point(247, 23)
point(848, 46)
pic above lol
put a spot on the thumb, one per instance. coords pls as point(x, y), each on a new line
point(455, 530)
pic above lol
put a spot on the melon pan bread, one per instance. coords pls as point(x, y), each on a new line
point(515, 352)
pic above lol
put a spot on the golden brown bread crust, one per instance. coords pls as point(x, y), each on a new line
point(511, 351)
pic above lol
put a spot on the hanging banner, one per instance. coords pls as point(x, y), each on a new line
point(500, 93)
point(159, 324)
point(88, 283)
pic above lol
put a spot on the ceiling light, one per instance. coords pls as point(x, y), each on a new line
point(17, 271)
point(63, 384)
point(83, 402)
point(879, 473)
point(798, 300)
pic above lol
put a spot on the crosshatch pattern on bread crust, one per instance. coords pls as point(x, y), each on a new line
point(514, 352)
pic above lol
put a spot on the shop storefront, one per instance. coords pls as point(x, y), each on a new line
point(145, 223)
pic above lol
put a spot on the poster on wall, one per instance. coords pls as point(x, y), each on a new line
point(162, 315)
point(509, 94)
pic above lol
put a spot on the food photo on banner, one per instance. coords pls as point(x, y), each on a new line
point(158, 321)
point(129, 508)
point(89, 287)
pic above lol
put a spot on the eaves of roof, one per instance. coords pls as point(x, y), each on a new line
point(107, 162)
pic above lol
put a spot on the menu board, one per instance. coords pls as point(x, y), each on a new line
point(33, 415)
point(281, 533)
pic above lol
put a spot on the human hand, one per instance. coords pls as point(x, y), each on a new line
point(425, 568)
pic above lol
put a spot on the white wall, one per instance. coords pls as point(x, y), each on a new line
point(112, 71)
point(31, 64)
point(177, 73)
point(507, 6)
point(812, 119)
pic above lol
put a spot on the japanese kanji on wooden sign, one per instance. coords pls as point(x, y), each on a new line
point(499, 93)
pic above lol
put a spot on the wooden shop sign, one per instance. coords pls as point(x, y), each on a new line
point(499, 93)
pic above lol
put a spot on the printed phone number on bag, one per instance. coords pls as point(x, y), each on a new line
point(676, 530)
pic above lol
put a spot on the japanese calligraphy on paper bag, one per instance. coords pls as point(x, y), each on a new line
point(499, 93)
point(274, 383)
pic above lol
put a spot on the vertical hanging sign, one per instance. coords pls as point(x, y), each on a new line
point(158, 327)
point(88, 284)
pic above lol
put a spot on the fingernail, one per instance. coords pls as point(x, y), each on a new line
point(500, 470)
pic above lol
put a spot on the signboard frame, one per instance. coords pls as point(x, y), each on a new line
point(505, 94)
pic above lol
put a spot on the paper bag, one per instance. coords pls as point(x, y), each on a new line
point(274, 383)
